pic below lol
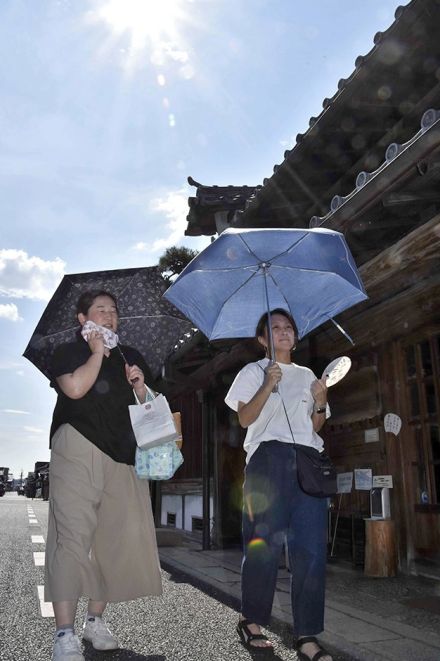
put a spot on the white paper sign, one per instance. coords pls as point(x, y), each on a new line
point(383, 481)
point(392, 423)
point(344, 482)
point(363, 479)
point(372, 435)
point(336, 370)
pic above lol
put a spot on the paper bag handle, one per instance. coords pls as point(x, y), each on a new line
point(150, 394)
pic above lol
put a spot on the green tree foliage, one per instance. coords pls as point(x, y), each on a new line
point(174, 260)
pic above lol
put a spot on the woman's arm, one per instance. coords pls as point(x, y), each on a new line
point(248, 413)
point(78, 383)
point(319, 393)
point(136, 379)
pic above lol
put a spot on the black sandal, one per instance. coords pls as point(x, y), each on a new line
point(310, 639)
point(247, 637)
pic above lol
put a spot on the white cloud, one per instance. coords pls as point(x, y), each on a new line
point(11, 364)
point(9, 311)
point(16, 411)
point(33, 430)
point(23, 276)
point(174, 205)
point(168, 51)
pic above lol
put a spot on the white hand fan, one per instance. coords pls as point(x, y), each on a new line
point(336, 370)
point(392, 423)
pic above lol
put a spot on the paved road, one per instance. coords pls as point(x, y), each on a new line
point(185, 624)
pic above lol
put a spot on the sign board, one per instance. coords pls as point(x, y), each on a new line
point(363, 479)
point(344, 482)
point(372, 435)
point(383, 481)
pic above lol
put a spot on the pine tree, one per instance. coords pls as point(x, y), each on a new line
point(174, 260)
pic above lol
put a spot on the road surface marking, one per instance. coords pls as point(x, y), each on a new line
point(37, 539)
point(39, 558)
point(45, 606)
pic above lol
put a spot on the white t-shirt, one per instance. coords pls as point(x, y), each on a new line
point(271, 424)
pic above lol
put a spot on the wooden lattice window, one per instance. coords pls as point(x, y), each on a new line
point(422, 370)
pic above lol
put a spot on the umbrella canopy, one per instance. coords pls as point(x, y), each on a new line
point(146, 321)
point(230, 284)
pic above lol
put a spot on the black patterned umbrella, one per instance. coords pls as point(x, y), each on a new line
point(147, 322)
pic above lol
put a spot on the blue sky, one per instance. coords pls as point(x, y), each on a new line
point(106, 106)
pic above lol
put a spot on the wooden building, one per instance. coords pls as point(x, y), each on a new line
point(368, 166)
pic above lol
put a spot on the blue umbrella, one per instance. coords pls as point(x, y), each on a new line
point(246, 272)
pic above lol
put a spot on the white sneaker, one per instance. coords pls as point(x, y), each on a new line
point(96, 632)
point(66, 648)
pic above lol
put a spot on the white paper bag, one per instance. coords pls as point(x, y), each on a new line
point(152, 422)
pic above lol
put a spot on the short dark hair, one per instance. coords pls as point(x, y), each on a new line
point(87, 299)
point(262, 324)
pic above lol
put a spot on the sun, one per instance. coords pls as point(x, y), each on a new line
point(146, 22)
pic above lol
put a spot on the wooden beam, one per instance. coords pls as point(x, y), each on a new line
point(242, 352)
point(391, 318)
point(415, 256)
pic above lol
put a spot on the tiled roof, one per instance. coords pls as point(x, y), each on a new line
point(377, 104)
point(429, 125)
point(209, 200)
point(184, 340)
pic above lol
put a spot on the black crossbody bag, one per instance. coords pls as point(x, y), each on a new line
point(316, 473)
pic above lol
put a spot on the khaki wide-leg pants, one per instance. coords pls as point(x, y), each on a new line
point(101, 540)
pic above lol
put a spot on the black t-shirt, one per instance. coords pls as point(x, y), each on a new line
point(102, 414)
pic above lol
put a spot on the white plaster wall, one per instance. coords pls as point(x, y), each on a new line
point(172, 504)
point(193, 507)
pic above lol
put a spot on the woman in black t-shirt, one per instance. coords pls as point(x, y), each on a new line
point(101, 538)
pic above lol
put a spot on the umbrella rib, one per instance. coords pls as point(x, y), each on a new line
point(328, 314)
point(128, 284)
point(148, 316)
point(295, 243)
point(60, 332)
point(304, 268)
point(243, 284)
point(142, 316)
point(279, 289)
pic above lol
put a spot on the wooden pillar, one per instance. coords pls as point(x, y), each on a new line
point(380, 548)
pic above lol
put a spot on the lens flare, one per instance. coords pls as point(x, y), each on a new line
point(257, 543)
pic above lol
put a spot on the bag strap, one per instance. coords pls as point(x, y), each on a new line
point(150, 393)
point(284, 407)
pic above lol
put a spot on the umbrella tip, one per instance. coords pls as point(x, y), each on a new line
point(342, 331)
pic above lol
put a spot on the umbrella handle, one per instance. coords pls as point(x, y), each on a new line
point(265, 267)
point(132, 381)
point(275, 388)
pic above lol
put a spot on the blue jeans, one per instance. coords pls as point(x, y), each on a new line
point(275, 509)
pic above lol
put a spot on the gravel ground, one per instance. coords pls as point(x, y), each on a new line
point(186, 623)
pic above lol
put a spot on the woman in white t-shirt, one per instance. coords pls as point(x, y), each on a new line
point(274, 506)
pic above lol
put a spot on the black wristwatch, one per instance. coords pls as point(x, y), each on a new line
point(322, 409)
